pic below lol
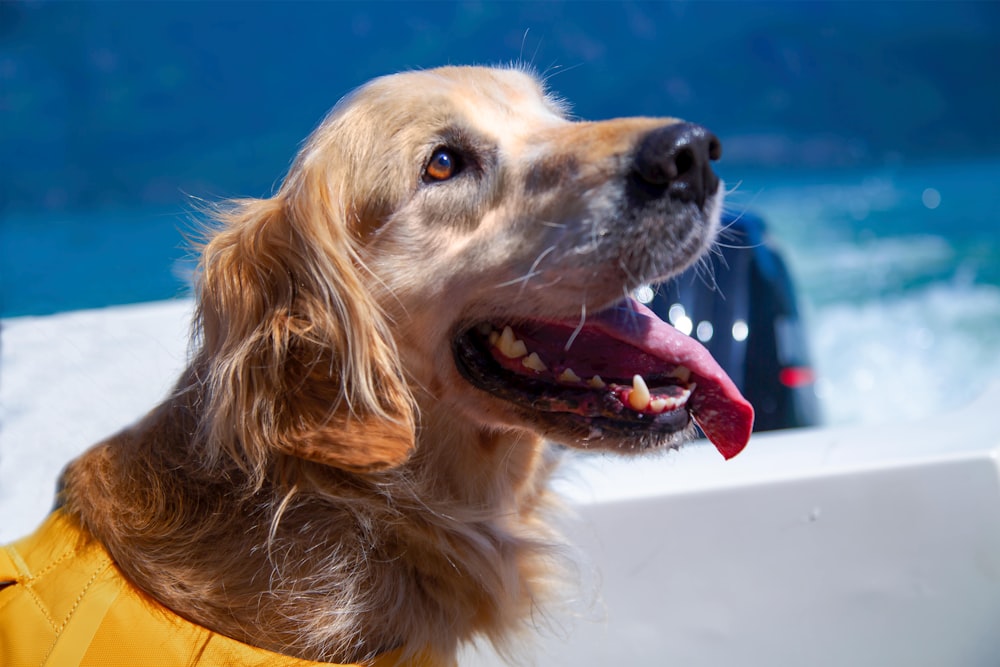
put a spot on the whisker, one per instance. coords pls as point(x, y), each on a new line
point(740, 211)
point(514, 281)
point(552, 282)
point(534, 54)
point(705, 272)
point(736, 247)
point(532, 272)
point(631, 277)
point(579, 327)
point(541, 256)
point(633, 313)
point(554, 69)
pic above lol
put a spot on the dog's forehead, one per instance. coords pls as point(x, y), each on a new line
point(490, 97)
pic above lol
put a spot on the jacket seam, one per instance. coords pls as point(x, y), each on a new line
point(79, 599)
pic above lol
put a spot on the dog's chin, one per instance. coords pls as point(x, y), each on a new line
point(611, 434)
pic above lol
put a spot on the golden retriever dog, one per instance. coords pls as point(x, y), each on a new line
point(355, 460)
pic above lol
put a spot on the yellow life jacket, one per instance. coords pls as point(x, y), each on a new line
point(69, 605)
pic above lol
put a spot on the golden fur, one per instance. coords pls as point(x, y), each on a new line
point(322, 482)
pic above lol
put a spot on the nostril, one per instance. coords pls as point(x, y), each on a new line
point(675, 161)
point(714, 148)
point(684, 162)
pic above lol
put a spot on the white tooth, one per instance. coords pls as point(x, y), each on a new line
point(658, 405)
point(568, 376)
point(638, 398)
point(596, 382)
point(506, 338)
point(494, 337)
point(534, 362)
point(682, 373)
point(681, 399)
point(511, 347)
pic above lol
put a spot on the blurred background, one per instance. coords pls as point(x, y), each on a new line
point(864, 134)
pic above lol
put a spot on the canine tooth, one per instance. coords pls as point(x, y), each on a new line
point(568, 376)
point(534, 362)
point(511, 347)
point(506, 338)
point(596, 382)
point(682, 373)
point(638, 398)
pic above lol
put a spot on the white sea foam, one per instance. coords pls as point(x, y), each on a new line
point(897, 274)
point(920, 352)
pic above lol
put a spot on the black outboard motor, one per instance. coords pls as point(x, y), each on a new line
point(743, 309)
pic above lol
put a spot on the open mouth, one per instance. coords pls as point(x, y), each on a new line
point(623, 372)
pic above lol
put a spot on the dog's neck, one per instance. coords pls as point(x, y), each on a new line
point(360, 556)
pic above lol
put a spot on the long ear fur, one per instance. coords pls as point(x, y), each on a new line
point(297, 356)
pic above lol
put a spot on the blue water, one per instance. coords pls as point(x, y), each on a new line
point(67, 261)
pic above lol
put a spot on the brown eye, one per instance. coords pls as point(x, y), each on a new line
point(442, 166)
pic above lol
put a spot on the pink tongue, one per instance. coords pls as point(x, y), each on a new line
point(717, 405)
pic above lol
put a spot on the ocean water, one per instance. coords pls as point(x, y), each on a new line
point(898, 271)
point(56, 262)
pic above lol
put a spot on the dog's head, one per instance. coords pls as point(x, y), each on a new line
point(451, 233)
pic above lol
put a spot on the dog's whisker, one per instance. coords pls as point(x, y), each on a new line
point(555, 279)
point(633, 313)
point(514, 281)
point(520, 54)
point(704, 270)
point(579, 327)
point(554, 69)
point(630, 276)
point(534, 54)
point(627, 295)
point(733, 246)
point(532, 271)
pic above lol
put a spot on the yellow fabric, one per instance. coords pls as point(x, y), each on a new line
point(70, 606)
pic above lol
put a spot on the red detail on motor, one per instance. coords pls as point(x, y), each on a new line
point(796, 376)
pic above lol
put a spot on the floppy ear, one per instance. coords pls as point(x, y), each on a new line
point(297, 356)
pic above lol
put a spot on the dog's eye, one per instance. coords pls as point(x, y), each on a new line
point(443, 165)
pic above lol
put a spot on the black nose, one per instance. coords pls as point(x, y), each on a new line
point(675, 160)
